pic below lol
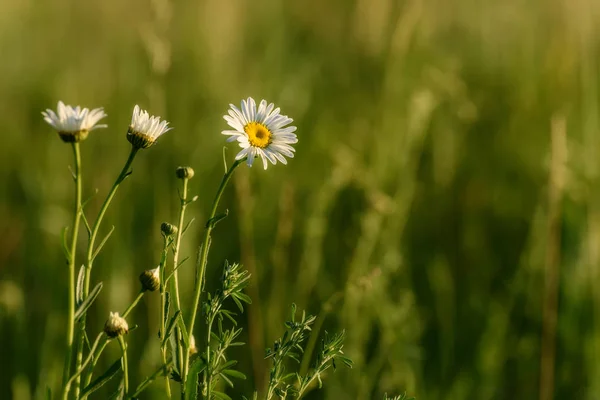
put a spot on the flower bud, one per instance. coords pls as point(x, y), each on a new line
point(115, 326)
point(184, 172)
point(168, 229)
point(193, 348)
point(150, 279)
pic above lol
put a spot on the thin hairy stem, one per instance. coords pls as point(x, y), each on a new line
point(175, 282)
point(90, 252)
point(72, 250)
point(102, 346)
point(163, 311)
point(124, 365)
point(202, 260)
point(178, 243)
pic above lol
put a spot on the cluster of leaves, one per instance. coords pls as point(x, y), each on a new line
point(289, 346)
point(212, 364)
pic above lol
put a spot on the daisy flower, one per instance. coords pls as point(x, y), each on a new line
point(145, 129)
point(73, 124)
point(261, 133)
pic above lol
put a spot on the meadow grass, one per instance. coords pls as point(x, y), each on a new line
point(423, 213)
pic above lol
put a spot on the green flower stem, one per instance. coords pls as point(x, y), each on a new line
point(124, 364)
point(102, 346)
point(72, 250)
point(90, 252)
point(175, 284)
point(163, 316)
point(208, 370)
point(134, 303)
point(201, 266)
point(84, 365)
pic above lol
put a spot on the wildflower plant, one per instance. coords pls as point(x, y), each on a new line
point(198, 365)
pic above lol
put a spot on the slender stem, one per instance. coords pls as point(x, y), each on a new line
point(163, 315)
point(90, 252)
point(96, 357)
point(97, 223)
point(72, 250)
point(134, 303)
point(201, 266)
point(124, 364)
point(85, 363)
point(149, 380)
point(175, 284)
point(208, 371)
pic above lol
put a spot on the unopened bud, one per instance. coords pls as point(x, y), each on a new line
point(150, 279)
point(184, 172)
point(168, 229)
point(193, 348)
point(115, 326)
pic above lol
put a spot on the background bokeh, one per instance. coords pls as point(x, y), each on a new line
point(446, 181)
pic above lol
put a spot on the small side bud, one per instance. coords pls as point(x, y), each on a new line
point(193, 348)
point(150, 279)
point(115, 326)
point(168, 229)
point(184, 172)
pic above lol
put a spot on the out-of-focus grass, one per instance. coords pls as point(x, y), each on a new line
point(414, 216)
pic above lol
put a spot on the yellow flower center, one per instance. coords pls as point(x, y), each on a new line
point(258, 134)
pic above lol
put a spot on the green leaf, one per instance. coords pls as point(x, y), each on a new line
point(81, 310)
point(79, 287)
point(233, 373)
point(64, 244)
point(186, 228)
point(86, 223)
point(102, 379)
point(191, 384)
point(170, 327)
point(48, 393)
point(103, 242)
point(167, 306)
point(227, 380)
point(220, 395)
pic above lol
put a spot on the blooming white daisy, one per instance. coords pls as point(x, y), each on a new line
point(263, 132)
point(145, 129)
point(73, 124)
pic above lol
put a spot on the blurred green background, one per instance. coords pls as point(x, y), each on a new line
point(445, 184)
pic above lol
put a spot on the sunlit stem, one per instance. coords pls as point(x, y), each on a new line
point(175, 282)
point(178, 243)
point(94, 357)
point(124, 365)
point(72, 250)
point(163, 315)
point(90, 252)
point(201, 265)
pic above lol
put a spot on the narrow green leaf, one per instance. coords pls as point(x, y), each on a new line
point(167, 306)
point(191, 384)
point(81, 310)
point(220, 395)
point(102, 379)
point(233, 373)
point(48, 393)
point(170, 327)
point(187, 226)
point(227, 380)
point(64, 244)
point(103, 242)
point(79, 287)
point(86, 223)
